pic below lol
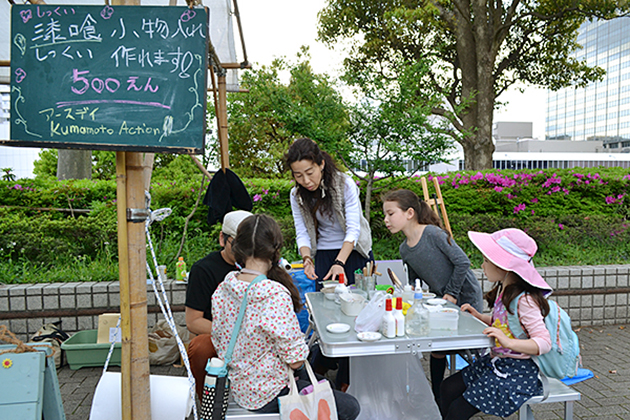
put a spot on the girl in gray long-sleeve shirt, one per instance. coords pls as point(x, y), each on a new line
point(433, 256)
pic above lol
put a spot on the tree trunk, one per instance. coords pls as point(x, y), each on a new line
point(478, 152)
point(74, 164)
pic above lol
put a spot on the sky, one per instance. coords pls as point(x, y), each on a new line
point(276, 28)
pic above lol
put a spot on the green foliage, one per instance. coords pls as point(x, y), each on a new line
point(579, 217)
point(475, 50)
point(46, 165)
point(265, 121)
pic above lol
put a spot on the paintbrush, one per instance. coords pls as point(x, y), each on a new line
point(395, 281)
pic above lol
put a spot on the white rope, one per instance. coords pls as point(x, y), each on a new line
point(165, 307)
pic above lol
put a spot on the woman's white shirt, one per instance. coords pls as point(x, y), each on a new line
point(331, 234)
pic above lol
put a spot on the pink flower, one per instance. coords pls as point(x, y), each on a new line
point(519, 208)
point(257, 197)
point(534, 200)
point(533, 211)
point(561, 226)
point(265, 191)
point(498, 189)
point(610, 200)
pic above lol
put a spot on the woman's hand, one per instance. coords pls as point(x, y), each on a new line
point(450, 298)
point(334, 272)
point(499, 336)
point(309, 269)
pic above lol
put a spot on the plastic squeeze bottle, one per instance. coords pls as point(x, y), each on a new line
point(400, 319)
point(417, 319)
point(180, 272)
point(408, 294)
point(341, 288)
point(388, 325)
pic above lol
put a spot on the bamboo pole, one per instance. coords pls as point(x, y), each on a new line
point(223, 123)
point(139, 366)
point(123, 275)
point(135, 374)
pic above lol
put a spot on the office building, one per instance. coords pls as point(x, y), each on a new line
point(601, 111)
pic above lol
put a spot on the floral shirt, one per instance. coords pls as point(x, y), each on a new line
point(531, 320)
point(269, 339)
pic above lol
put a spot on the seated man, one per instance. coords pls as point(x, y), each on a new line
point(204, 278)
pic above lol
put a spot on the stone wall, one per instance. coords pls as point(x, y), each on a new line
point(592, 295)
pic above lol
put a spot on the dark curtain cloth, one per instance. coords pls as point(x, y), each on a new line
point(224, 192)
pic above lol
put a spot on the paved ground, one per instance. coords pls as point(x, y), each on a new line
point(605, 351)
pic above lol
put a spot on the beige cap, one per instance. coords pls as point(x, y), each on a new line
point(232, 220)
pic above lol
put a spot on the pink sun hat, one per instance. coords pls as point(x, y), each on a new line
point(511, 250)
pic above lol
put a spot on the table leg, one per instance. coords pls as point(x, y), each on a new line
point(392, 387)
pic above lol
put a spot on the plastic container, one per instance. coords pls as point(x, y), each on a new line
point(83, 351)
point(180, 272)
point(417, 319)
point(351, 303)
point(444, 319)
point(22, 384)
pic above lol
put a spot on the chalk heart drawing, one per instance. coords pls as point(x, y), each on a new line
point(187, 15)
point(26, 15)
point(19, 75)
point(107, 12)
point(20, 42)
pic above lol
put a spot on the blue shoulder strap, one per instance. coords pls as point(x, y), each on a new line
point(239, 320)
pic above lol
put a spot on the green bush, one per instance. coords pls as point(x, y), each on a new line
point(577, 217)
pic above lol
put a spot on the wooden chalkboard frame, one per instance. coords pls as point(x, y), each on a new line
point(124, 78)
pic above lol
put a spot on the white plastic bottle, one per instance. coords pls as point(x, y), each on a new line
point(341, 288)
point(400, 318)
point(417, 319)
point(408, 294)
point(388, 325)
point(211, 379)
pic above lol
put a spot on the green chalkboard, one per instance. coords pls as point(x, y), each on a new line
point(109, 77)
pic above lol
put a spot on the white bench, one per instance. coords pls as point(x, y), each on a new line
point(558, 392)
point(235, 412)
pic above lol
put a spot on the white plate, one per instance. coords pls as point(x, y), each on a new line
point(436, 301)
point(369, 336)
point(428, 295)
point(338, 328)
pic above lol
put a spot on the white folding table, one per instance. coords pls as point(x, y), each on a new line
point(386, 375)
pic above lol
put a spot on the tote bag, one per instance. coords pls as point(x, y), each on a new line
point(318, 405)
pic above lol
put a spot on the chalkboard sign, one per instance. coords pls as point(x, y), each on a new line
point(109, 77)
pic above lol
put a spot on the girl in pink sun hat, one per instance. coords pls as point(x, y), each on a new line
point(500, 382)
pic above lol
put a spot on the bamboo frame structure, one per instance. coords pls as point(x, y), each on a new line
point(436, 202)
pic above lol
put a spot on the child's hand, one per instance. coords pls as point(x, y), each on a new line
point(467, 308)
point(499, 336)
point(450, 298)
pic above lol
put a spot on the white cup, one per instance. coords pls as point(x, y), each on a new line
point(162, 272)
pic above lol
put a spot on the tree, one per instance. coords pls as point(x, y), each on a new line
point(263, 122)
point(477, 48)
point(392, 132)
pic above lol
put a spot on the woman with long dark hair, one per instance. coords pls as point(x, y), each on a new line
point(332, 234)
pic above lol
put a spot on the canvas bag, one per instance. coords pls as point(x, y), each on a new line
point(317, 405)
point(563, 360)
point(214, 400)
